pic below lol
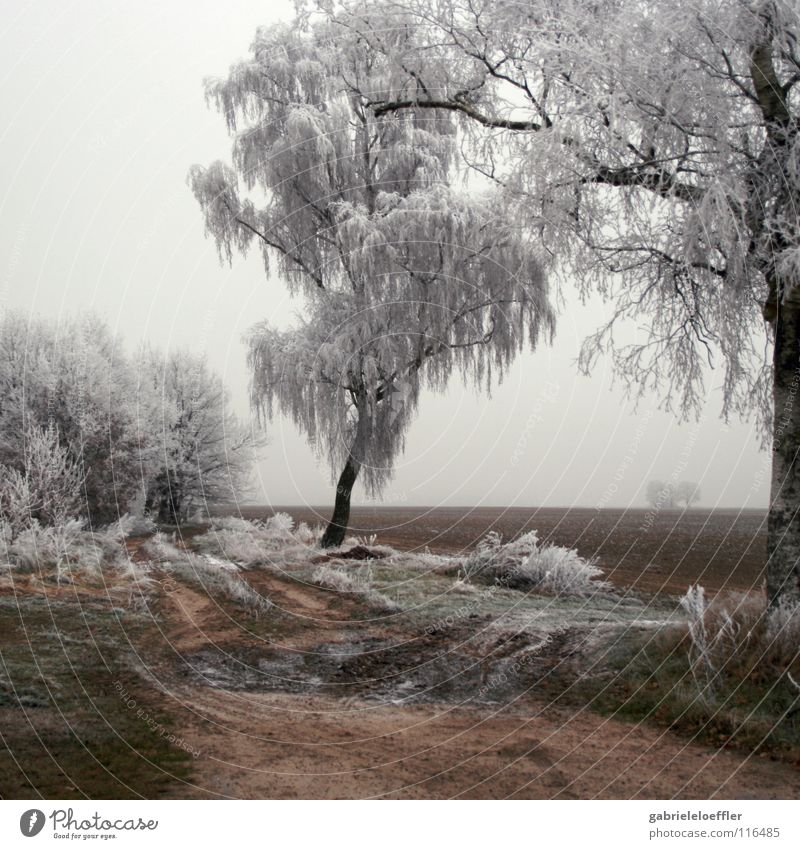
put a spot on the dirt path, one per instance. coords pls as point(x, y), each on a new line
point(293, 745)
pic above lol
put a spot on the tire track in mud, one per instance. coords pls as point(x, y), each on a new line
point(286, 741)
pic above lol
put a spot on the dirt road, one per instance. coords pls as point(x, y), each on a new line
point(292, 745)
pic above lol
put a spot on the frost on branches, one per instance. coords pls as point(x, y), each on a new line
point(90, 432)
point(405, 278)
point(205, 454)
point(71, 382)
point(655, 149)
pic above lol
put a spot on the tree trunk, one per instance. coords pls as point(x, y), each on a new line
point(164, 499)
point(783, 529)
point(337, 527)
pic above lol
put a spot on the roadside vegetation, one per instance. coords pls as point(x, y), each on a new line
point(78, 719)
point(728, 675)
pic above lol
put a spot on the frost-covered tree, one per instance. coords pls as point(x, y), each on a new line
point(46, 489)
point(687, 493)
point(203, 454)
point(145, 431)
point(405, 279)
point(660, 495)
point(72, 376)
point(655, 149)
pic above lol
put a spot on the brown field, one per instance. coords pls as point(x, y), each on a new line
point(720, 549)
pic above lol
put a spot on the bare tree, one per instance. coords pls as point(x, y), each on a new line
point(406, 280)
point(654, 149)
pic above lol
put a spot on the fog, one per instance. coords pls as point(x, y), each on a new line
point(105, 113)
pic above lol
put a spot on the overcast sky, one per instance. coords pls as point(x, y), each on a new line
point(103, 115)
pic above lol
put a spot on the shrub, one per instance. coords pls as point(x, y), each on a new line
point(132, 526)
point(72, 553)
point(357, 582)
point(47, 488)
point(743, 638)
point(491, 558)
point(252, 544)
point(725, 674)
point(524, 564)
point(214, 577)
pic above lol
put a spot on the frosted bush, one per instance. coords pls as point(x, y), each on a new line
point(39, 548)
point(308, 536)
point(242, 547)
point(747, 637)
point(131, 526)
point(280, 525)
point(558, 570)
point(17, 502)
point(491, 558)
point(47, 487)
point(74, 553)
point(524, 564)
point(701, 642)
point(782, 630)
point(215, 578)
point(162, 549)
point(252, 544)
point(357, 582)
point(232, 523)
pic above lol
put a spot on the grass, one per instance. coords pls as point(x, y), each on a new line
point(725, 678)
point(67, 733)
point(722, 674)
point(357, 581)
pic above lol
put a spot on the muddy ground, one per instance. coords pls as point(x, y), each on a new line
point(192, 696)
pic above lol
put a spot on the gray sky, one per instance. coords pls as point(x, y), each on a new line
point(104, 114)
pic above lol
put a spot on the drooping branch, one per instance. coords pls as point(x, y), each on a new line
point(386, 107)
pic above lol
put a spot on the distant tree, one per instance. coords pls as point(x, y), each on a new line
point(660, 495)
point(406, 280)
point(654, 149)
point(205, 455)
point(687, 493)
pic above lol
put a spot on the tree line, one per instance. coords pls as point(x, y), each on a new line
point(90, 431)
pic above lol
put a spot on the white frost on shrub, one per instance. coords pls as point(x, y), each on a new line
point(70, 552)
point(782, 631)
point(357, 582)
point(207, 573)
point(525, 564)
point(131, 526)
point(253, 544)
point(308, 536)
